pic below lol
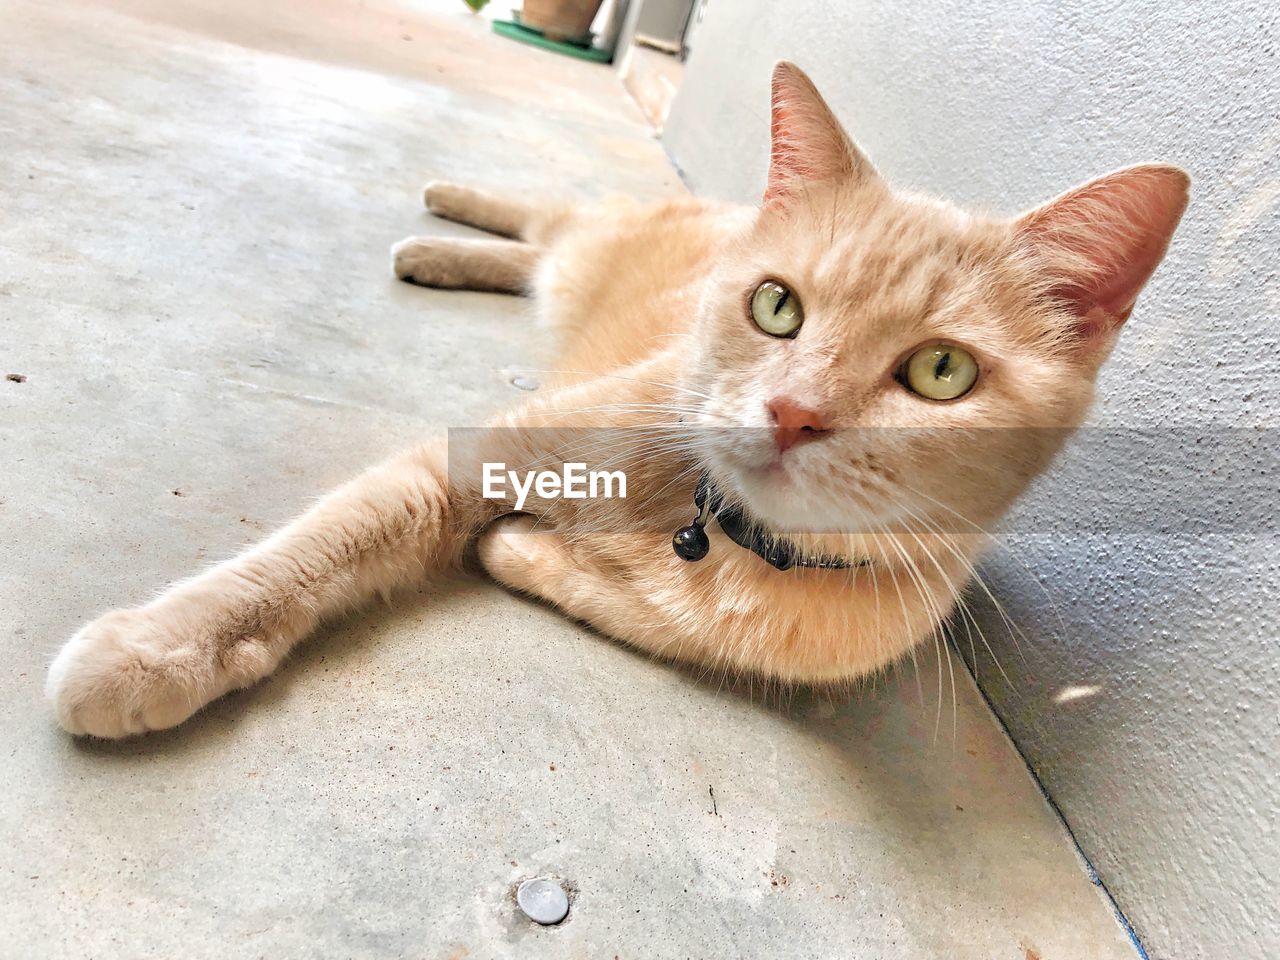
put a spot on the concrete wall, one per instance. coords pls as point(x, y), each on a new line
point(1147, 691)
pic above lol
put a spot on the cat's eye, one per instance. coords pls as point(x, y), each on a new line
point(776, 310)
point(940, 371)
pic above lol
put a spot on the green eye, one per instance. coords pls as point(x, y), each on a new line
point(776, 310)
point(940, 372)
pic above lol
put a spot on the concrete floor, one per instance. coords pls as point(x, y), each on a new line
point(196, 207)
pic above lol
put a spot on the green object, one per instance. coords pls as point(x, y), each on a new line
point(580, 48)
point(476, 5)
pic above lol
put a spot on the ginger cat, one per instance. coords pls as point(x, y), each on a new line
point(864, 375)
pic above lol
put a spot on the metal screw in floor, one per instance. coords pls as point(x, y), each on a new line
point(543, 901)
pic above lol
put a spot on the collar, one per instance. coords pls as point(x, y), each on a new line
point(691, 543)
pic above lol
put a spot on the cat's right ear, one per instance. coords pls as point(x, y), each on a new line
point(807, 143)
point(1100, 243)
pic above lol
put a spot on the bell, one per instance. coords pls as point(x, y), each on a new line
point(691, 543)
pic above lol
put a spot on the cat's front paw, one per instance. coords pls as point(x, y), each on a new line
point(131, 671)
point(516, 552)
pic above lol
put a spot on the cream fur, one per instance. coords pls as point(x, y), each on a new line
point(650, 306)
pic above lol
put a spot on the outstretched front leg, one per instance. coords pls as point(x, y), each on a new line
point(152, 667)
point(148, 668)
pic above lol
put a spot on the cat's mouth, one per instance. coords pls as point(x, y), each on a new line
point(784, 489)
point(777, 491)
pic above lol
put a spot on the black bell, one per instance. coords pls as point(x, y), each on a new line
point(691, 543)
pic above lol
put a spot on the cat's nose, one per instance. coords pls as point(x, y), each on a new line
point(794, 423)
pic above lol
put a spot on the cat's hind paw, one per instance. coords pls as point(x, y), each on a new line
point(444, 199)
point(429, 261)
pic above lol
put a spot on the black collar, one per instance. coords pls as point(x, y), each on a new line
point(691, 543)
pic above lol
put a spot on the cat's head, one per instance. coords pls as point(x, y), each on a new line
point(890, 355)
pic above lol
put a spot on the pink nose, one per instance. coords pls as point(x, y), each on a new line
point(794, 423)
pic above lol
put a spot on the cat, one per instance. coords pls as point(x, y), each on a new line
point(869, 377)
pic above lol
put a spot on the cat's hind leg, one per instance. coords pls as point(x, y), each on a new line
point(505, 266)
point(452, 263)
point(479, 208)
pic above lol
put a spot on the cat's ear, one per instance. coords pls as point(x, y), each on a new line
point(807, 142)
point(1100, 243)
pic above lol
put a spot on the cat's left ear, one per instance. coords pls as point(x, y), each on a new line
point(807, 143)
point(1100, 243)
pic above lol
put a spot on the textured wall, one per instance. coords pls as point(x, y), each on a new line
point(1146, 693)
